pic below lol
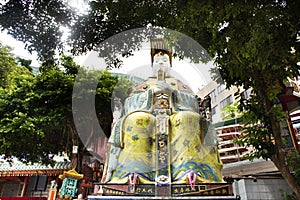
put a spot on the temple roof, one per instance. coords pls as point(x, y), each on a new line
point(21, 169)
point(18, 168)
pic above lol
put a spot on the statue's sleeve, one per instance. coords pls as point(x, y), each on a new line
point(184, 101)
point(141, 101)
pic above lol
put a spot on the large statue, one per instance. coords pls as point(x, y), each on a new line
point(161, 136)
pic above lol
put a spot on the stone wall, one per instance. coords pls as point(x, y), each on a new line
point(261, 188)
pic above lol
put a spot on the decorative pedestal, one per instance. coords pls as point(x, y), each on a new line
point(178, 191)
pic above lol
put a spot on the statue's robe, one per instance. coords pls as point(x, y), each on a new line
point(192, 142)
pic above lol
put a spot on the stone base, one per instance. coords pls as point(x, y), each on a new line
point(159, 198)
point(175, 191)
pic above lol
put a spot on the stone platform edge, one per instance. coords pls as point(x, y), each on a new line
point(176, 191)
point(94, 197)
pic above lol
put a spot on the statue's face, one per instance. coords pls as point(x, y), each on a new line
point(161, 62)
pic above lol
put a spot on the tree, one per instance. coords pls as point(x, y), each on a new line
point(38, 24)
point(18, 122)
point(6, 62)
point(36, 110)
point(25, 63)
point(256, 45)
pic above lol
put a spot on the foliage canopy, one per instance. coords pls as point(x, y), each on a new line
point(36, 117)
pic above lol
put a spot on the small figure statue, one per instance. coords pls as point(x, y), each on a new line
point(118, 110)
point(53, 185)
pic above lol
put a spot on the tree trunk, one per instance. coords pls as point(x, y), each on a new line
point(75, 142)
point(279, 158)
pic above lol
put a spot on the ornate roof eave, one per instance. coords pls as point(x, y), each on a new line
point(21, 169)
point(53, 172)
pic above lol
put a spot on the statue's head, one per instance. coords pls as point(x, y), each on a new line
point(161, 61)
point(161, 57)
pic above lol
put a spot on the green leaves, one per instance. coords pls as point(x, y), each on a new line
point(230, 111)
point(36, 116)
point(6, 63)
point(293, 161)
point(37, 24)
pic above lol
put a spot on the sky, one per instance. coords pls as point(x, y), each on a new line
point(18, 48)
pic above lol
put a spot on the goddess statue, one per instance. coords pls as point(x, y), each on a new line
point(161, 137)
